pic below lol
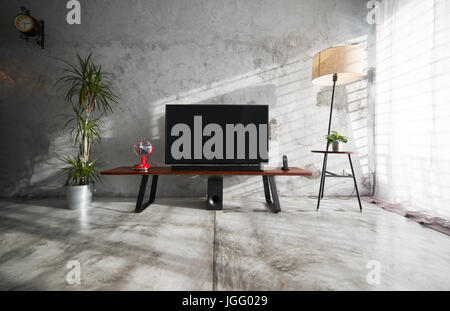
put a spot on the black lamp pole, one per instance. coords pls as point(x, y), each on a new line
point(332, 100)
point(325, 156)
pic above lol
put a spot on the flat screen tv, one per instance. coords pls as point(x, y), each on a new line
point(218, 137)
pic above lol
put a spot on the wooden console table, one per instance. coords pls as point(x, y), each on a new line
point(268, 177)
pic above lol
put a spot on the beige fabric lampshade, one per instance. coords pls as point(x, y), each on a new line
point(344, 60)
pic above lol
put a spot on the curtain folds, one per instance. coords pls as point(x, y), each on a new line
point(412, 105)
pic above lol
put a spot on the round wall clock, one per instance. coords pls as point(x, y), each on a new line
point(29, 27)
point(24, 23)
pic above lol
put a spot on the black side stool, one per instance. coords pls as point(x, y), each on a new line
point(325, 174)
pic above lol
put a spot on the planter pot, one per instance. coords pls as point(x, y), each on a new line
point(79, 197)
point(336, 146)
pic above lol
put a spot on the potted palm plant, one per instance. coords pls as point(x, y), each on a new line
point(91, 94)
point(334, 139)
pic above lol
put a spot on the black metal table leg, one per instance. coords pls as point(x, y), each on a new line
point(152, 197)
point(270, 192)
point(141, 194)
point(322, 180)
point(140, 206)
point(354, 180)
point(266, 189)
point(276, 202)
point(324, 175)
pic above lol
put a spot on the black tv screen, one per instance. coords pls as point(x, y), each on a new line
point(216, 134)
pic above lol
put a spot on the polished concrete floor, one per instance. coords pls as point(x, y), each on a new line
point(177, 245)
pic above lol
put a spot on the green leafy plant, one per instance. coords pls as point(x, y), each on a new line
point(80, 172)
point(335, 136)
point(91, 95)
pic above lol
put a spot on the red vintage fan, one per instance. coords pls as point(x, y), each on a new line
point(143, 149)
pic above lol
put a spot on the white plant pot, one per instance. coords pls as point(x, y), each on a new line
point(79, 197)
point(336, 145)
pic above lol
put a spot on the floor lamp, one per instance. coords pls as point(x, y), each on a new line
point(337, 65)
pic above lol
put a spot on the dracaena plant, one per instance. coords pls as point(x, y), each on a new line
point(335, 136)
point(90, 93)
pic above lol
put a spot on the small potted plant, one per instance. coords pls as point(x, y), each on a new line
point(335, 139)
point(90, 93)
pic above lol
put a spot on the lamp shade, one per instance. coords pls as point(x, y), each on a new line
point(343, 60)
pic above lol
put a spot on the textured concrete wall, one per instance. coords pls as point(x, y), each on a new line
point(166, 52)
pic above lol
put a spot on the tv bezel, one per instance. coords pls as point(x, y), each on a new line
point(214, 162)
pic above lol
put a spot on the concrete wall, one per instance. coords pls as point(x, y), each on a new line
point(165, 52)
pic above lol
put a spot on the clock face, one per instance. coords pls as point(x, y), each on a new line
point(23, 23)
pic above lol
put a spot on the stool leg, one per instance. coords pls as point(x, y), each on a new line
point(354, 180)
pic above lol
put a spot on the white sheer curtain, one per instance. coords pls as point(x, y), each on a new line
point(412, 105)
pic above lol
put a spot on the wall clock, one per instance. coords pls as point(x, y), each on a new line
point(24, 23)
point(29, 27)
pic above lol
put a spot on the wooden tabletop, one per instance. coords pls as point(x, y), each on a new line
point(166, 170)
point(331, 151)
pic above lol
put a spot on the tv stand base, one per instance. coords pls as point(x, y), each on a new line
point(270, 192)
point(215, 183)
